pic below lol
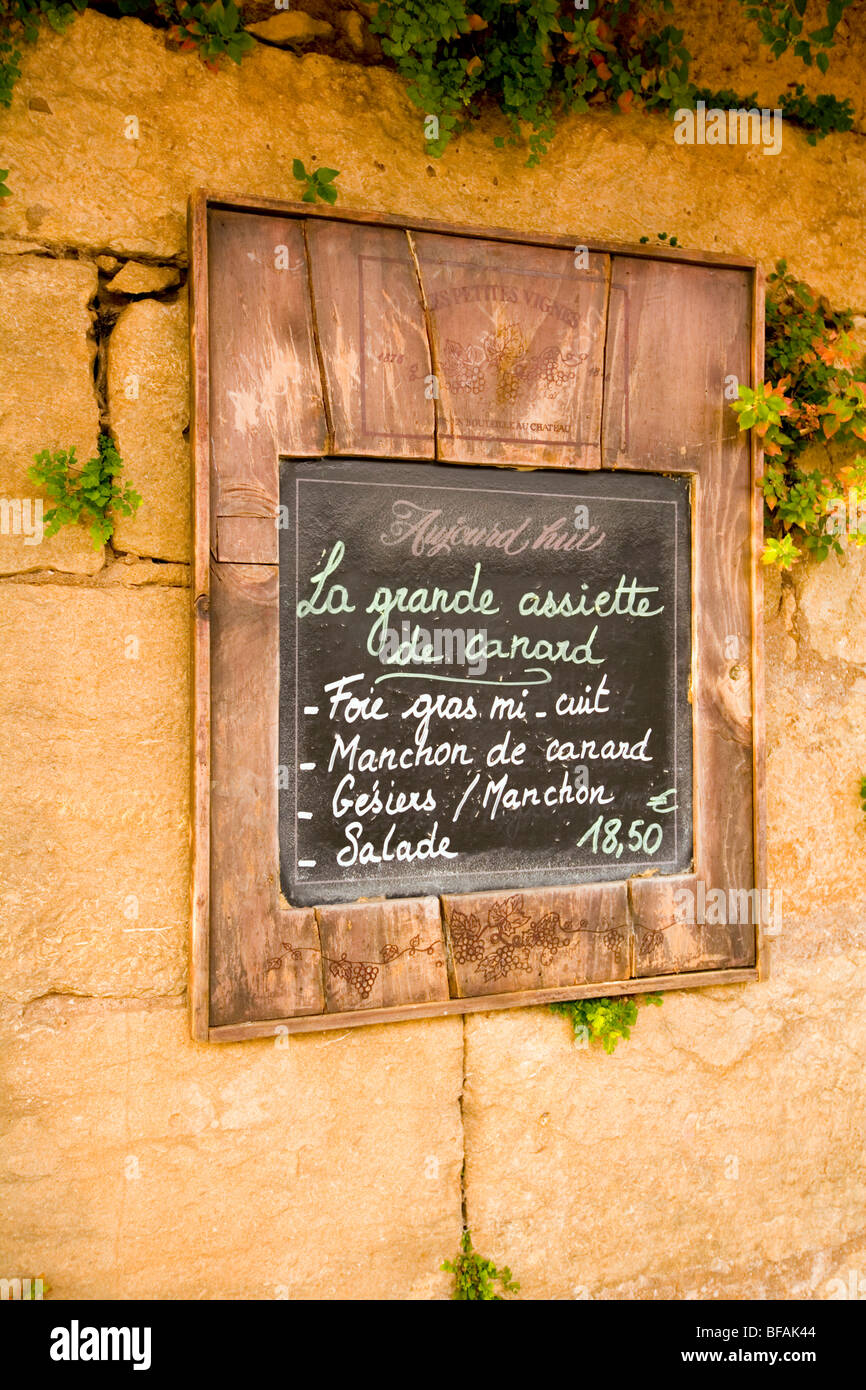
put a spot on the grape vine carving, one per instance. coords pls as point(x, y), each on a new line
point(513, 940)
point(359, 975)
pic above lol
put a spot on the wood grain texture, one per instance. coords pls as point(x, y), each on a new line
point(245, 540)
point(564, 240)
point(200, 615)
point(499, 942)
point(481, 1003)
point(759, 735)
point(381, 954)
point(265, 388)
point(670, 935)
point(372, 340)
point(244, 875)
point(518, 350)
point(676, 335)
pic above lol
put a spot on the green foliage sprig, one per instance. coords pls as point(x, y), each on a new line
point(319, 183)
point(91, 494)
point(216, 30)
point(604, 1020)
point(863, 794)
point(781, 24)
point(812, 394)
point(5, 190)
point(475, 1278)
point(663, 238)
point(819, 117)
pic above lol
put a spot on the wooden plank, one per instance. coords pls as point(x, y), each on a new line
point(200, 753)
point(676, 332)
point(499, 942)
point(759, 736)
point(380, 954)
point(682, 925)
point(372, 339)
point(481, 1003)
point(566, 240)
point(265, 384)
point(518, 350)
point(294, 971)
point(245, 539)
point(675, 335)
point(245, 926)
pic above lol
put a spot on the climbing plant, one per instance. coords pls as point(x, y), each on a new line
point(813, 393)
point(534, 59)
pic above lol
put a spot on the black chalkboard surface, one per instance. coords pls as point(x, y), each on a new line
point(483, 678)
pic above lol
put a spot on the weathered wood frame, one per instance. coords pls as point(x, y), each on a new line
point(236, 902)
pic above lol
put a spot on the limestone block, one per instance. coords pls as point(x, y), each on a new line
point(136, 278)
point(94, 825)
point(138, 1164)
point(674, 1168)
point(354, 28)
point(831, 597)
point(10, 246)
point(294, 26)
point(148, 402)
point(47, 402)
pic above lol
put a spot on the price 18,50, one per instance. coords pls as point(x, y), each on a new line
point(604, 836)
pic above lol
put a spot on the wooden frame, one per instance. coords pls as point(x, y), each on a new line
point(264, 388)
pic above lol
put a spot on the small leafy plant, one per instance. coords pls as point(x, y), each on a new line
point(91, 494)
point(663, 238)
point(319, 183)
point(604, 1020)
point(863, 794)
point(475, 1278)
point(5, 190)
point(216, 30)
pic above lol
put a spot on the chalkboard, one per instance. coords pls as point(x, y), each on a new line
point(484, 678)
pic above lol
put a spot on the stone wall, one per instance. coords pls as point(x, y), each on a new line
point(720, 1152)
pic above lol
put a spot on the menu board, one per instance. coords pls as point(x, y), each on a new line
point(484, 678)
